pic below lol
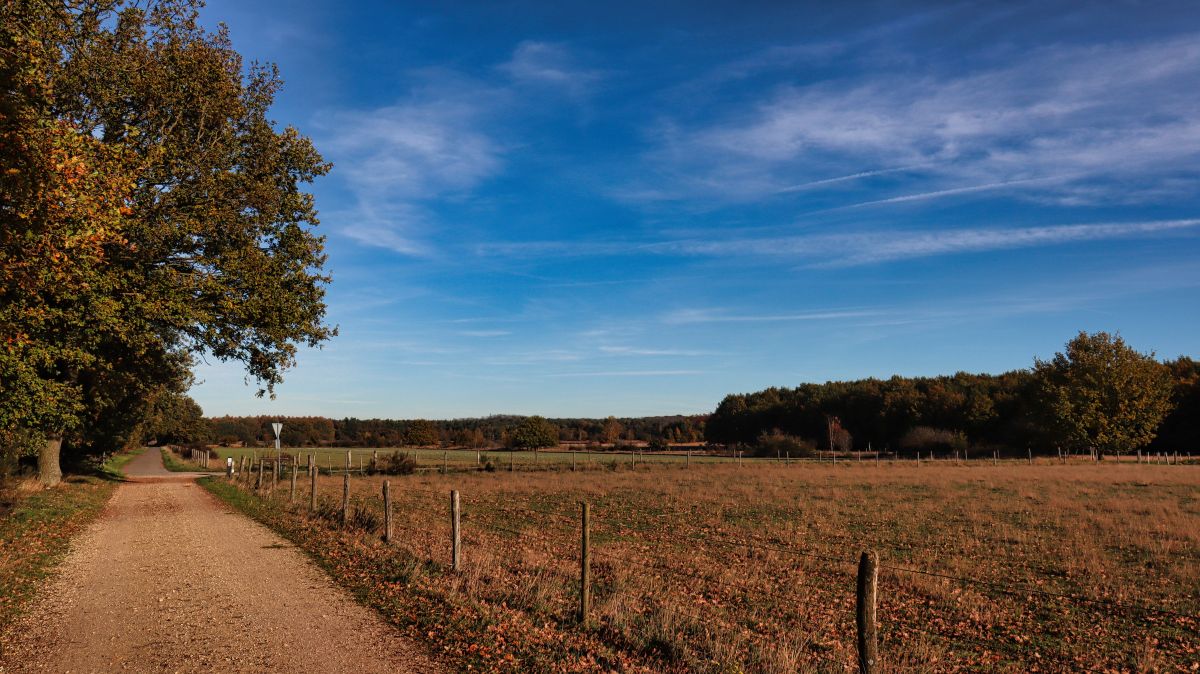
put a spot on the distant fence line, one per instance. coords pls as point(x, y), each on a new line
point(494, 459)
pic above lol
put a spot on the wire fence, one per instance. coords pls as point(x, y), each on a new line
point(847, 585)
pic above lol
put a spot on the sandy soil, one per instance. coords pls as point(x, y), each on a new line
point(169, 579)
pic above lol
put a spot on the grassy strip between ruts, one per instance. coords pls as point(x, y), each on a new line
point(470, 635)
point(36, 534)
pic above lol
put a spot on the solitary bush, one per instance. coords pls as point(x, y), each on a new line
point(397, 463)
point(777, 443)
point(933, 439)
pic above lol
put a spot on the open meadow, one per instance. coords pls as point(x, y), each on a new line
point(752, 567)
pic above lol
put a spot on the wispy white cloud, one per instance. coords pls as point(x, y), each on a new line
point(484, 333)
point(824, 182)
point(850, 249)
point(630, 373)
point(642, 351)
point(401, 160)
point(689, 316)
point(549, 64)
point(1082, 110)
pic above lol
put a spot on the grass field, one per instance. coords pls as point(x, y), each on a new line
point(467, 459)
point(728, 568)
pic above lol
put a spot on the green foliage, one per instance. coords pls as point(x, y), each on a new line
point(150, 212)
point(1101, 394)
point(986, 408)
point(421, 433)
point(1180, 430)
point(534, 433)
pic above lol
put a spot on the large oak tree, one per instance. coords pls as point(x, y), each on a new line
point(152, 212)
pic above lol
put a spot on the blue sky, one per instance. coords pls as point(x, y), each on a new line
point(584, 209)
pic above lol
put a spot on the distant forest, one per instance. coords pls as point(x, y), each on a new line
point(490, 431)
point(908, 414)
point(1099, 396)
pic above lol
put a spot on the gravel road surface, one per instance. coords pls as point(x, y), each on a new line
point(169, 579)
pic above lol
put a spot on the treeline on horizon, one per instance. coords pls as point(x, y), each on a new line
point(492, 431)
point(1099, 395)
point(1002, 412)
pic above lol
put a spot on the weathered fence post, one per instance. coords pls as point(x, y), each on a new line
point(995, 457)
point(585, 563)
point(445, 462)
point(688, 463)
point(258, 480)
point(572, 461)
point(345, 498)
point(1029, 452)
point(387, 511)
point(455, 536)
point(868, 630)
point(312, 474)
point(292, 497)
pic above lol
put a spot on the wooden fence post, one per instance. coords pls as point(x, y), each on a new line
point(345, 498)
point(387, 511)
point(258, 480)
point(1029, 453)
point(445, 462)
point(585, 563)
point(572, 461)
point(868, 630)
point(455, 536)
point(688, 463)
point(292, 497)
point(312, 494)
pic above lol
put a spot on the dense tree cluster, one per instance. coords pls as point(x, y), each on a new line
point(1098, 395)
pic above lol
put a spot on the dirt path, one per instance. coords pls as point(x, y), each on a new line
point(168, 579)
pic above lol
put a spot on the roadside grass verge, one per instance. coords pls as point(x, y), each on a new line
point(37, 532)
point(177, 464)
point(428, 602)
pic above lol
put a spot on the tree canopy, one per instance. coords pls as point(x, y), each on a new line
point(533, 433)
point(151, 213)
point(1101, 394)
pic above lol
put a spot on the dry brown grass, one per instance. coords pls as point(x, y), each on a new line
point(751, 568)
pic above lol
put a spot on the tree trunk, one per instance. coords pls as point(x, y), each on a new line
point(49, 467)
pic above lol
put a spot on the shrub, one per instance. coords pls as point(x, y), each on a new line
point(396, 463)
point(777, 443)
point(933, 439)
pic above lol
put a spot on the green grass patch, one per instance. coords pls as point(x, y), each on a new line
point(175, 464)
